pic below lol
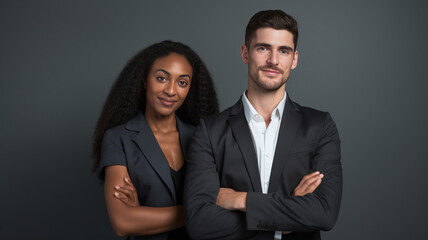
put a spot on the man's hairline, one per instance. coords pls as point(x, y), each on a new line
point(254, 33)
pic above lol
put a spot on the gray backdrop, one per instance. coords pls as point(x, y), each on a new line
point(363, 61)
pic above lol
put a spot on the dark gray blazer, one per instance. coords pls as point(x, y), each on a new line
point(221, 154)
point(133, 145)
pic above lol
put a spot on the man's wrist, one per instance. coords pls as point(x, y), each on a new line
point(241, 203)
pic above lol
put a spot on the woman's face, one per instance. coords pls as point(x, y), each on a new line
point(167, 84)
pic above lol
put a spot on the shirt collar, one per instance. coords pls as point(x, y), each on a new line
point(250, 111)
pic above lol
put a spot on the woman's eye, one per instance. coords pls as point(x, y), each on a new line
point(161, 79)
point(182, 83)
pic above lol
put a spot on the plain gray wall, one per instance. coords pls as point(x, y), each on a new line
point(363, 61)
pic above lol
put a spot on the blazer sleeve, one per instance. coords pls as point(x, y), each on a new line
point(204, 219)
point(112, 152)
point(316, 211)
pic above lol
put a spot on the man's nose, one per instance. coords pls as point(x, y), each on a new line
point(273, 58)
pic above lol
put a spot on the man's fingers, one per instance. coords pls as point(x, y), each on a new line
point(308, 184)
point(313, 179)
point(226, 190)
point(309, 179)
point(310, 175)
point(311, 188)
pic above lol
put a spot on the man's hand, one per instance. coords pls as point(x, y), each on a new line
point(127, 193)
point(308, 184)
point(232, 200)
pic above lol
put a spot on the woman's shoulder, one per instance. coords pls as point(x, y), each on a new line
point(125, 131)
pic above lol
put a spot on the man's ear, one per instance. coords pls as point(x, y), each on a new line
point(244, 54)
point(296, 57)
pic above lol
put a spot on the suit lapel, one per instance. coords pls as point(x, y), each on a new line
point(243, 137)
point(289, 124)
point(185, 133)
point(149, 146)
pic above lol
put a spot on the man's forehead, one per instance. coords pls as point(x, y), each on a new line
point(273, 37)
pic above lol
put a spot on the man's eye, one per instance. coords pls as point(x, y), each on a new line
point(262, 49)
point(284, 52)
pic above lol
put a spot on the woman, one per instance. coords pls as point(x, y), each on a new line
point(142, 136)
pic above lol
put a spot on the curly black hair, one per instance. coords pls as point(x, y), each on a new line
point(127, 96)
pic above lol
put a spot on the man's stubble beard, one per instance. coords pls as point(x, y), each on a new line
point(266, 85)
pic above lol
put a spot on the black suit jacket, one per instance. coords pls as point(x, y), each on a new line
point(133, 145)
point(222, 154)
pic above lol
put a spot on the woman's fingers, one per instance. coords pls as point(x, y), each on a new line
point(127, 193)
point(124, 190)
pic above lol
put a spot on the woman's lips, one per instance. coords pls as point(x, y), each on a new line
point(167, 102)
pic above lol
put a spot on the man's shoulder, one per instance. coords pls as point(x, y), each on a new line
point(312, 116)
point(219, 118)
point(309, 110)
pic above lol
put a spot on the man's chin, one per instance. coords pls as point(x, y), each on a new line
point(270, 87)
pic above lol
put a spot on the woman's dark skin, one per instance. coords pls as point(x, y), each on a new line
point(165, 81)
point(128, 195)
point(166, 89)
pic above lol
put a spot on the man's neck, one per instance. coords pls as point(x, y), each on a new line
point(264, 102)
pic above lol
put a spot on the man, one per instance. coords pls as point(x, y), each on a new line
point(254, 171)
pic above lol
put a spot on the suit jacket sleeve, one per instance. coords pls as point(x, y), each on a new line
point(204, 219)
point(112, 152)
point(316, 211)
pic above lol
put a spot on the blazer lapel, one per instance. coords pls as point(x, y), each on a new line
point(243, 137)
point(289, 124)
point(149, 146)
point(185, 133)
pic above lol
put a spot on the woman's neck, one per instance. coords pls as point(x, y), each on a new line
point(162, 124)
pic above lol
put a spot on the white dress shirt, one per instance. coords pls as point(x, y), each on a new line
point(264, 139)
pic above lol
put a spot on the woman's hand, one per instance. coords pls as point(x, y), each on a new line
point(127, 216)
point(127, 193)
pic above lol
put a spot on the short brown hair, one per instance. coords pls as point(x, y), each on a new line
point(275, 19)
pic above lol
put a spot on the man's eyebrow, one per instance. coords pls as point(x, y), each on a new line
point(287, 48)
point(262, 45)
point(268, 45)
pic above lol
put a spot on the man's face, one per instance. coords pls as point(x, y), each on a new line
point(270, 58)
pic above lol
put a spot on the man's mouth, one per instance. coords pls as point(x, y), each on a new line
point(271, 71)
